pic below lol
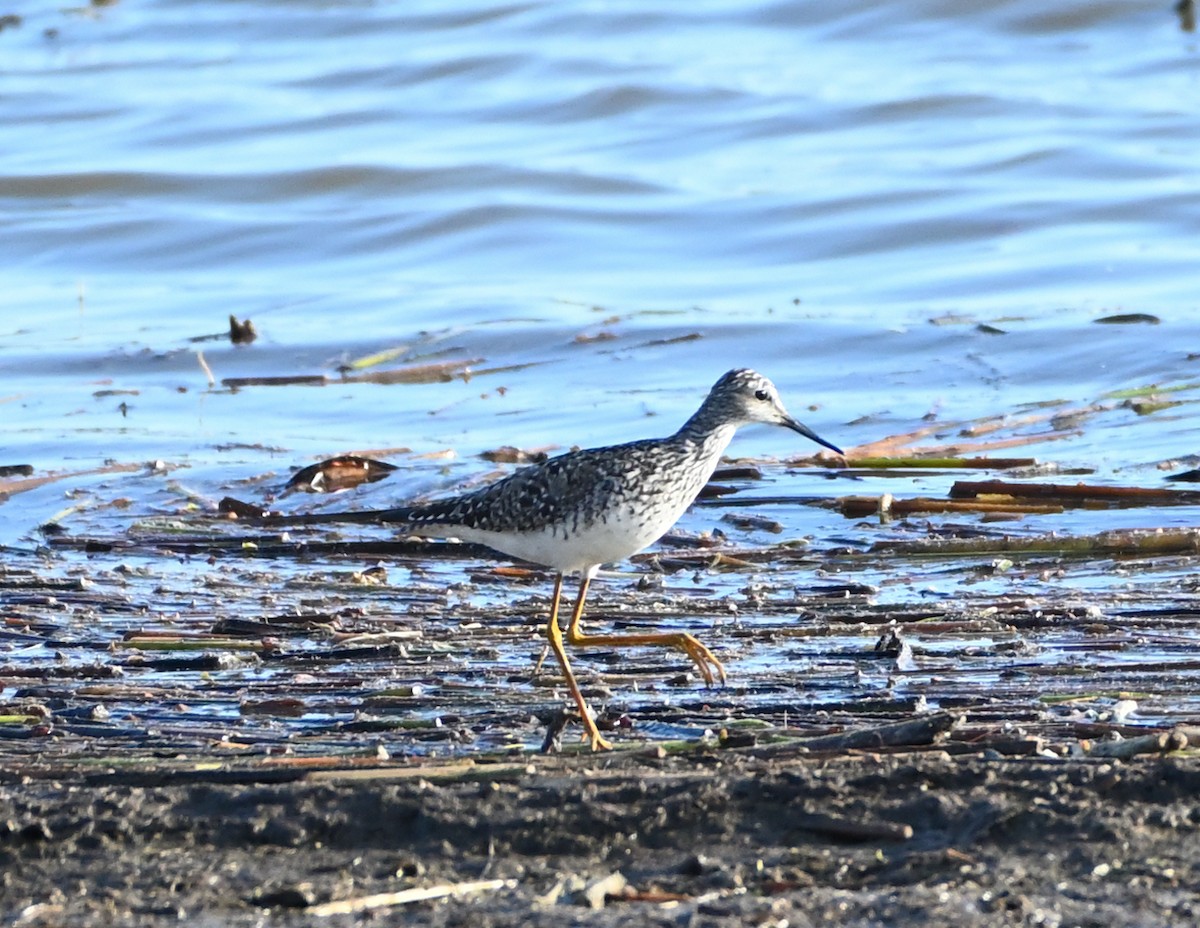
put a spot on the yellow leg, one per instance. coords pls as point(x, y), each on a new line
point(705, 661)
point(554, 634)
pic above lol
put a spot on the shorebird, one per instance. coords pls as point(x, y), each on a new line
point(586, 508)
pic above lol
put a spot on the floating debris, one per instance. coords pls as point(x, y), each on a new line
point(13, 486)
point(238, 333)
point(750, 523)
point(887, 506)
point(508, 454)
point(293, 380)
point(242, 510)
point(438, 372)
point(939, 463)
point(1074, 494)
point(1187, 15)
point(373, 360)
point(1129, 319)
point(241, 333)
point(340, 473)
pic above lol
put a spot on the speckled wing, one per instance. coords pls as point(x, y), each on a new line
point(569, 492)
point(563, 491)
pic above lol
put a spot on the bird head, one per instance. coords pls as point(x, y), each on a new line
point(744, 396)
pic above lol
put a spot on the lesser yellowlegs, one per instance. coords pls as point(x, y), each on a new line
point(586, 508)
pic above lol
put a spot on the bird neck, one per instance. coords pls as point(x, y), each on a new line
point(708, 421)
point(706, 435)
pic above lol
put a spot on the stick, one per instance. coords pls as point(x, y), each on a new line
point(212, 381)
point(416, 894)
point(854, 831)
point(1155, 743)
point(915, 731)
point(1079, 492)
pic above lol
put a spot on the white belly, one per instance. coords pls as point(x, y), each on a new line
point(567, 549)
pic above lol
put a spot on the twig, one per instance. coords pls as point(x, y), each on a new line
point(292, 380)
point(405, 896)
point(853, 831)
point(857, 507)
point(940, 463)
point(212, 381)
point(1078, 494)
point(1118, 542)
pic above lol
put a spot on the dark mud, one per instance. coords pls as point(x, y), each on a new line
point(708, 838)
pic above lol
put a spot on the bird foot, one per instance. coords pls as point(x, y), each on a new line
point(552, 743)
point(592, 733)
point(706, 662)
point(599, 742)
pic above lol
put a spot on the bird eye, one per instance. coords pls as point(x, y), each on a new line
point(761, 394)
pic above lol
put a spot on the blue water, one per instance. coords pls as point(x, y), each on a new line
point(563, 191)
point(397, 165)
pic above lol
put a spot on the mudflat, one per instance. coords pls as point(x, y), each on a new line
point(710, 836)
